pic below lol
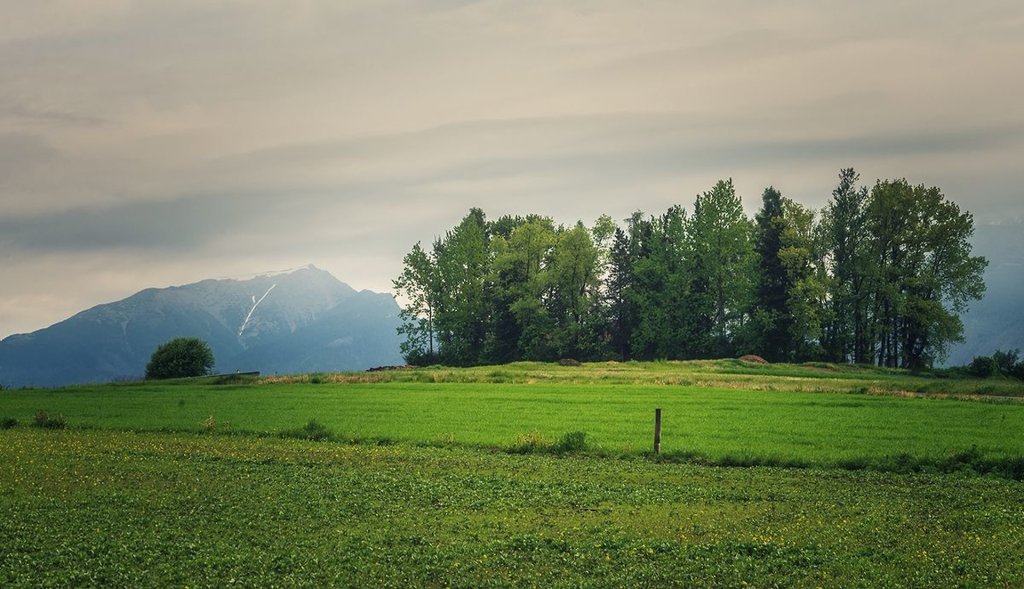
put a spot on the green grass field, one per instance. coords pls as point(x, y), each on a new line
point(420, 481)
point(173, 510)
point(701, 423)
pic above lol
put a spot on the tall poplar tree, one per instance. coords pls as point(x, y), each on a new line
point(621, 308)
point(848, 330)
point(772, 318)
point(530, 248)
point(573, 278)
point(462, 261)
point(723, 258)
point(802, 258)
point(661, 292)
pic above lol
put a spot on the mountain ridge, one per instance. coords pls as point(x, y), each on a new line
point(265, 323)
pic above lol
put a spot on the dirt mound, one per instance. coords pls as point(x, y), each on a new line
point(753, 359)
point(569, 362)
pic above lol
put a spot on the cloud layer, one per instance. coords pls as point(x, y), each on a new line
point(151, 143)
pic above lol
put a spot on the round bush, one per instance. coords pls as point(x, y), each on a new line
point(180, 358)
point(982, 367)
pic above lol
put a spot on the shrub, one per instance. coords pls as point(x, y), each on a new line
point(313, 430)
point(8, 423)
point(180, 358)
point(572, 442)
point(209, 424)
point(530, 443)
point(45, 420)
point(982, 367)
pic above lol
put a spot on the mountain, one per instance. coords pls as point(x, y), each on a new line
point(304, 320)
point(996, 322)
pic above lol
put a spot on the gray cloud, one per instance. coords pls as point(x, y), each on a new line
point(151, 143)
point(18, 150)
point(619, 154)
point(169, 226)
point(17, 113)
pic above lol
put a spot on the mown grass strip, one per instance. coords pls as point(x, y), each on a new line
point(713, 426)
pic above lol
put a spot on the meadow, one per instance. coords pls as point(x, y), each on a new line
point(713, 412)
point(97, 508)
point(769, 476)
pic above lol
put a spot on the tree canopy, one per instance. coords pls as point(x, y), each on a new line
point(878, 275)
point(180, 358)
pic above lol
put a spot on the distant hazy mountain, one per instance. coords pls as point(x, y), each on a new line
point(300, 321)
point(996, 322)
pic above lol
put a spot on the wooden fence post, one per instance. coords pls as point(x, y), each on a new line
point(657, 431)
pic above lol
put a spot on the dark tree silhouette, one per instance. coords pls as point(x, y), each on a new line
point(180, 358)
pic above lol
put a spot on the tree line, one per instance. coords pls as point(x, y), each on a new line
point(878, 276)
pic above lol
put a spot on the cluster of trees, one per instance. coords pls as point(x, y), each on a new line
point(1005, 363)
point(877, 276)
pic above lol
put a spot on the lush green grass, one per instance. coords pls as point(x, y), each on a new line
point(202, 482)
point(98, 508)
point(701, 424)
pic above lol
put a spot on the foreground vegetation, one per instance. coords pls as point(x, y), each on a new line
point(718, 413)
point(519, 475)
point(115, 508)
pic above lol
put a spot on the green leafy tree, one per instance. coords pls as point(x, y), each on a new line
point(649, 277)
point(180, 357)
point(621, 309)
point(880, 276)
point(847, 323)
point(462, 264)
point(417, 284)
point(501, 345)
point(772, 317)
point(520, 287)
point(723, 267)
point(602, 234)
point(925, 276)
point(801, 256)
point(662, 283)
point(597, 327)
point(574, 278)
point(983, 367)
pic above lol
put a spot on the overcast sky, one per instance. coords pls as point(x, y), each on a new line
point(147, 143)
